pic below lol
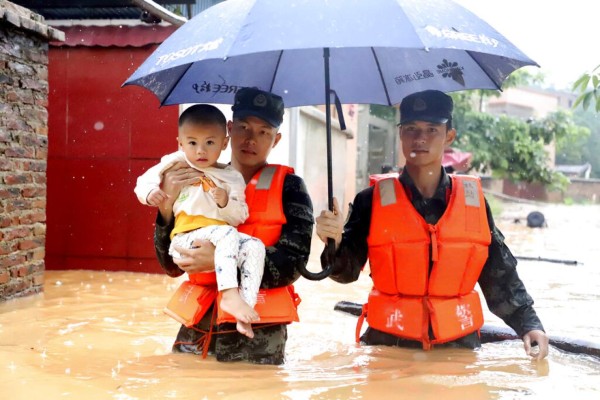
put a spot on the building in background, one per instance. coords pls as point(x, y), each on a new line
point(529, 103)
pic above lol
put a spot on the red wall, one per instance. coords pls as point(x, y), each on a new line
point(101, 137)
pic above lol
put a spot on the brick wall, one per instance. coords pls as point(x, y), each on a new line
point(23, 148)
point(579, 190)
point(582, 191)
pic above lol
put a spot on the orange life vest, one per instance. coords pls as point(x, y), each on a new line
point(408, 298)
point(374, 178)
point(278, 305)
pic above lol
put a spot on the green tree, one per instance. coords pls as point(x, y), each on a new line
point(509, 147)
point(512, 148)
point(589, 151)
point(506, 147)
point(559, 126)
point(571, 137)
point(588, 85)
point(387, 113)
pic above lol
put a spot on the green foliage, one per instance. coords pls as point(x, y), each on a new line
point(561, 127)
point(523, 77)
point(514, 149)
point(571, 139)
point(583, 150)
point(464, 102)
point(510, 148)
point(588, 85)
point(385, 112)
point(569, 201)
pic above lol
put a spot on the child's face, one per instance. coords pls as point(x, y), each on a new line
point(202, 143)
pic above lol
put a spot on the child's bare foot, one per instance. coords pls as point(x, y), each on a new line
point(232, 302)
point(245, 329)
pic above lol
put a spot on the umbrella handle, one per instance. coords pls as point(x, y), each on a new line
point(319, 276)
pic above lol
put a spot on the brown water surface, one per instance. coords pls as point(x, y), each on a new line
point(102, 335)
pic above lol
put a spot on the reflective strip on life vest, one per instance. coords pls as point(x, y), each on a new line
point(266, 178)
point(387, 190)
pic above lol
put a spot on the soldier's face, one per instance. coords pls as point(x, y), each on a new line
point(423, 143)
point(252, 140)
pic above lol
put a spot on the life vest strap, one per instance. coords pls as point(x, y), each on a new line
point(360, 321)
point(434, 242)
point(425, 329)
point(213, 320)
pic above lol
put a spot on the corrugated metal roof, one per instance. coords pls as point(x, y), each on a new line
point(89, 9)
point(113, 36)
point(90, 13)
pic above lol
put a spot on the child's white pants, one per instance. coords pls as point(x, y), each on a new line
point(233, 250)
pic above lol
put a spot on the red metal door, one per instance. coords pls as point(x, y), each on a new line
point(101, 137)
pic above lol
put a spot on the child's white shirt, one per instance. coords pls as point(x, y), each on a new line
point(194, 200)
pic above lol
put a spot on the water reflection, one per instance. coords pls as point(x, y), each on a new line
point(99, 335)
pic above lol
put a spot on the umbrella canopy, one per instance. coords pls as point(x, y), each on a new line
point(365, 51)
point(380, 51)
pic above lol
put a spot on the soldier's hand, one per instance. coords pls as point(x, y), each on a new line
point(200, 258)
point(330, 224)
point(542, 341)
point(174, 179)
point(177, 176)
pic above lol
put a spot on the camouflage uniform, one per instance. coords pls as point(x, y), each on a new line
point(281, 269)
point(501, 286)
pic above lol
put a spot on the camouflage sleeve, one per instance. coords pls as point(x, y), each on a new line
point(502, 288)
point(351, 255)
point(162, 241)
point(293, 247)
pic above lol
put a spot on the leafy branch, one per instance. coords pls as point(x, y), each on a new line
point(588, 95)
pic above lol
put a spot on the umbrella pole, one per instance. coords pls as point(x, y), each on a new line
point(330, 242)
point(328, 130)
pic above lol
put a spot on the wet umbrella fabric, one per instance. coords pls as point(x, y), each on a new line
point(368, 52)
point(380, 51)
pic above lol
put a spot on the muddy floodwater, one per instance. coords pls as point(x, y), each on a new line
point(103, 335)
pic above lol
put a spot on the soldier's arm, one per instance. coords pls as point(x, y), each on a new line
point(504, 291)
point(351, 255)
point(162, 241)
point(293, 247)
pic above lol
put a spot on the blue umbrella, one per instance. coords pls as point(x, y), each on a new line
point(362, 51)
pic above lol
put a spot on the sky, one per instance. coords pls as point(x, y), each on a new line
point(561, 36)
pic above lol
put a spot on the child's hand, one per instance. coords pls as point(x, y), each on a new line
point(156, 197)
point(220, 196)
